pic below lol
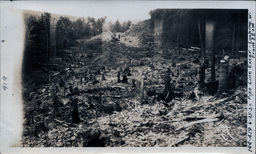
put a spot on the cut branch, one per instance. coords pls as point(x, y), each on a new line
point(65, 123)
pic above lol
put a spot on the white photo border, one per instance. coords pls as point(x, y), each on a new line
point(12, 38)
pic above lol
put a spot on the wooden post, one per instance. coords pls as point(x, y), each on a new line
point(201, 76)
point(167, 88)
point(142, 90)
point(200, 35)
point(223, 86)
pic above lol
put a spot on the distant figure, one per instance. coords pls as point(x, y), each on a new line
point(119, 36)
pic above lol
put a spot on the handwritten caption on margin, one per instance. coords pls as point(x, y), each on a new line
point(251, 88)
point(5, 85)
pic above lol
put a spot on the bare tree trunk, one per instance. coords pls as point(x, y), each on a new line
point(223, 84)
point(213, 66)
point(201, 76)
point(209, 44)
point(46, 50)
point(178, 39)
point(52, 40)
point(118, 77)
point(233, 39)
point(202, 65)
point(167, 82)
point(142, 91)
point(238, 30)
point(200, 35)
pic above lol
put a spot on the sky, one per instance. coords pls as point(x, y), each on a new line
point(121, 10)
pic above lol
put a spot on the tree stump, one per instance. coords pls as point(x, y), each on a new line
point(75, 114)
point(201, 76)
point(118, 77)
point(133, 84)
point(103, 77)
point(125, 79)
point(167, 88)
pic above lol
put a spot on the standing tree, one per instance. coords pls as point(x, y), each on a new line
point(63, 31)
point(78, 30)
point(45, 18)
point(117, 26)
point(202, 64)
point(37, 44)
point(126, 26)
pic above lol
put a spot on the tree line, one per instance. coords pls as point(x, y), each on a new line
point(212, 30)
point(118, 27)
point(182, 27)
point(46, 34)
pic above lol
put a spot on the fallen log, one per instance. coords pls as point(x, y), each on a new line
point(97, 96)
point(112, 96)
point(190, 118)
point(207, 102)
point(197, 122)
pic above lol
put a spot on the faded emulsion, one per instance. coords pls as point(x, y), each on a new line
point(176, 79)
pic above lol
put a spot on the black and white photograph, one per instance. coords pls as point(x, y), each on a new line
point(124, 74)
